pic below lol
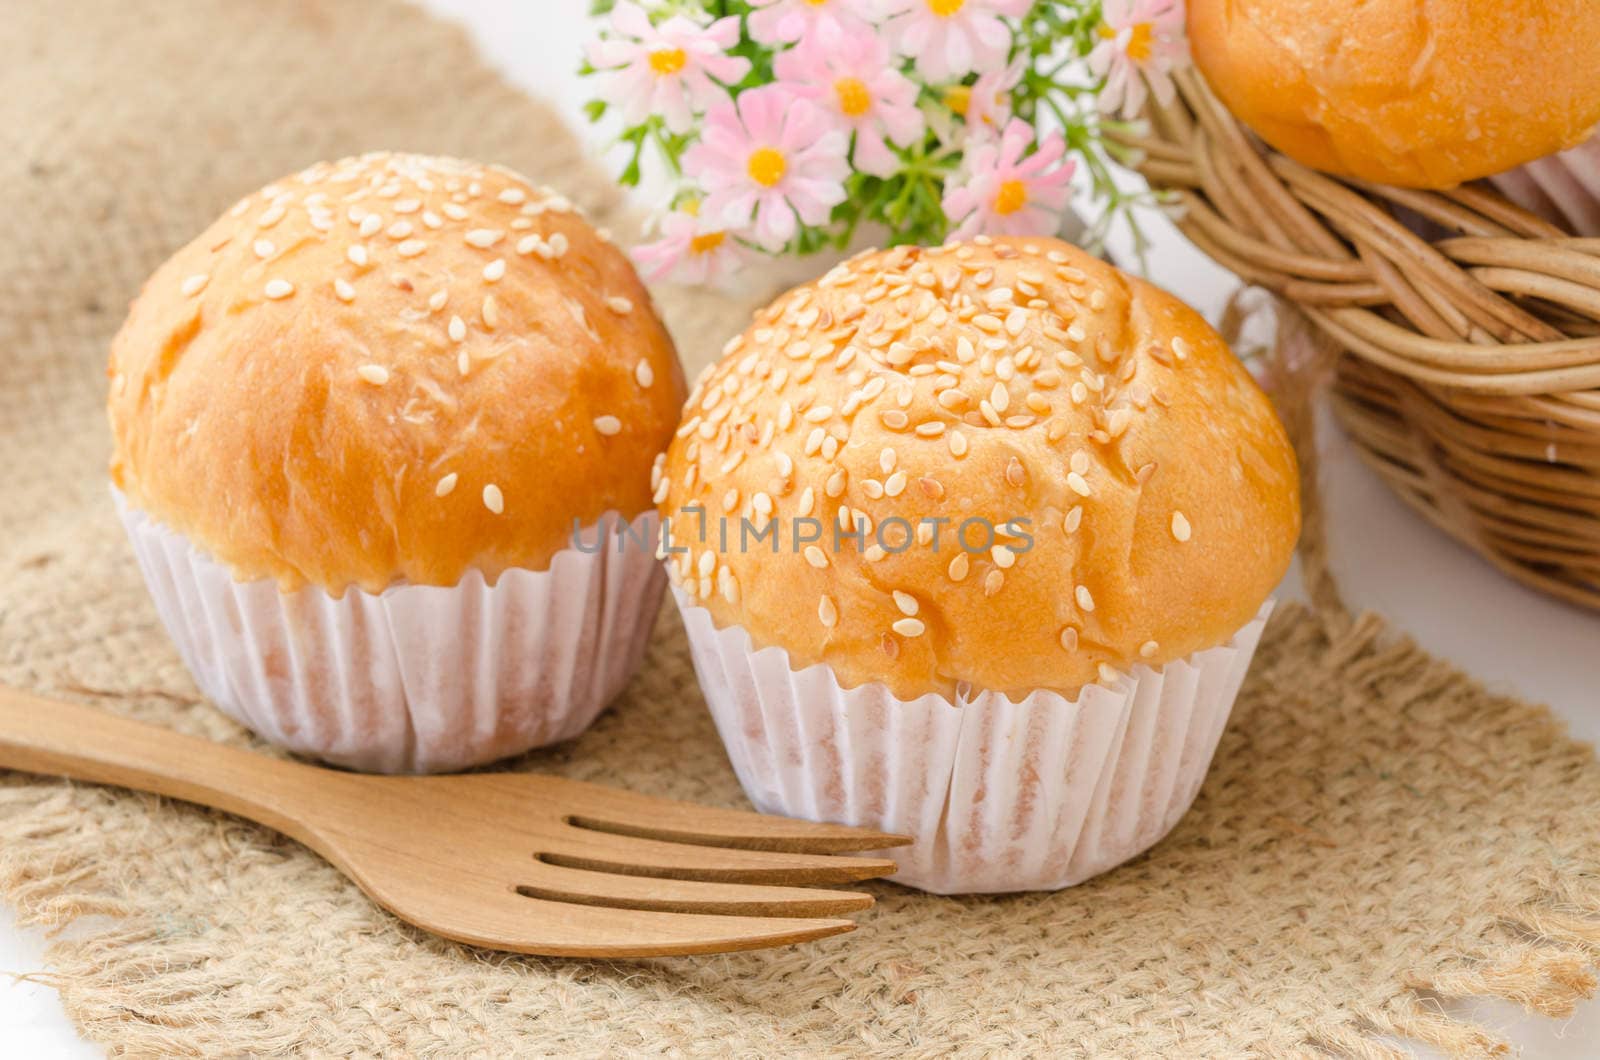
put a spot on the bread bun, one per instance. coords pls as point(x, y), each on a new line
point(1151, 494)
point(391, 367)
point(1405, 92)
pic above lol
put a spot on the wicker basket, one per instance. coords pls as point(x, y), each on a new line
point(1468, 332)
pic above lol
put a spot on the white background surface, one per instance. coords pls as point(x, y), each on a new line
point(1386, 560)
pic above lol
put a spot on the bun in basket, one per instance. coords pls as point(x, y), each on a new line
point(1405, 92)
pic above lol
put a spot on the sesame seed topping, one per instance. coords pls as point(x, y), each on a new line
point(457, 329)
point(493, 271)
point(357, 255)
point(1108, 675)
point(464, 362)
point(644, 374)
point(1180, 348)
point(454, 211)
point(607, 425)
point(993, 582)
point(512, 196)
point(1084, 598)
point(370, 225)
point(272, 216)
point(400, 230)
point(1078, 484)
point(445, 485)
point(263, 248)
point(1069, 638)
point(958, 443)
point(619, 304)
point(194, 284)
point(277, 289)
point(343, 290)
point(1180, 526)
point(490, 312)
point(1073, 520)
point(905, 602)
point(816, 557)
point(493, 499)
point(376, 374)
point(827, 612)
point(411, 248)
point(909, 627)
point(1148, 649)
point(1003, 557)
point(484, 238)
point(437, 299)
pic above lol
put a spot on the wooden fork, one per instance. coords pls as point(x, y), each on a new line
point(510, 861)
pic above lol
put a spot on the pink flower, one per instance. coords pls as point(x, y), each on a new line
point(853, 78)
point(666, 69)
point(1002, 191)
point(786, 21)
point(772, 156)
point(952, 38)
point(986, 105)
point(689, 250)
point(1141, 42)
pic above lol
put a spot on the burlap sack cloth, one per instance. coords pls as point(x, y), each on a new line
point(1376, 824)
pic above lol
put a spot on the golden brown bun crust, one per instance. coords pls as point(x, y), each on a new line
point(1099, 371)
point(288, 389)
point(1411, 92)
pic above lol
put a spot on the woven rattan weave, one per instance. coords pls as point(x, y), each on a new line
point(1467, 332)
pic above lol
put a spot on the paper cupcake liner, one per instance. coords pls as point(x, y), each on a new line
point(416, 678)
point(1563, 188)
point(1001, 796)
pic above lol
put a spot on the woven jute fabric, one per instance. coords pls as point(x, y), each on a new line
point(1378, 832)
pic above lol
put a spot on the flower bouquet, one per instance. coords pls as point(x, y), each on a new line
point(784, 126)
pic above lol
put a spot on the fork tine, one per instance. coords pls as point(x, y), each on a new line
point(559, 884)
point(510, 921)
point(647, 817)
point(581, 848)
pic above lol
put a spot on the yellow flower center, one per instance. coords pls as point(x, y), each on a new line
point(667, 61)
point(767, 166)
point(1139, 42)
point(1013, 196)
point(945, 8)
point(1141, 39)
point(958, 98)
point(705, 244)
point(854, 99)
point(816, 3)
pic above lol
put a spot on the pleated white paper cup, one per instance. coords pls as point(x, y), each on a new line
point(1001, 796)
point(417, 678)
point(1563, 188)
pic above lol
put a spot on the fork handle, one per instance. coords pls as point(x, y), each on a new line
point(47, 736)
